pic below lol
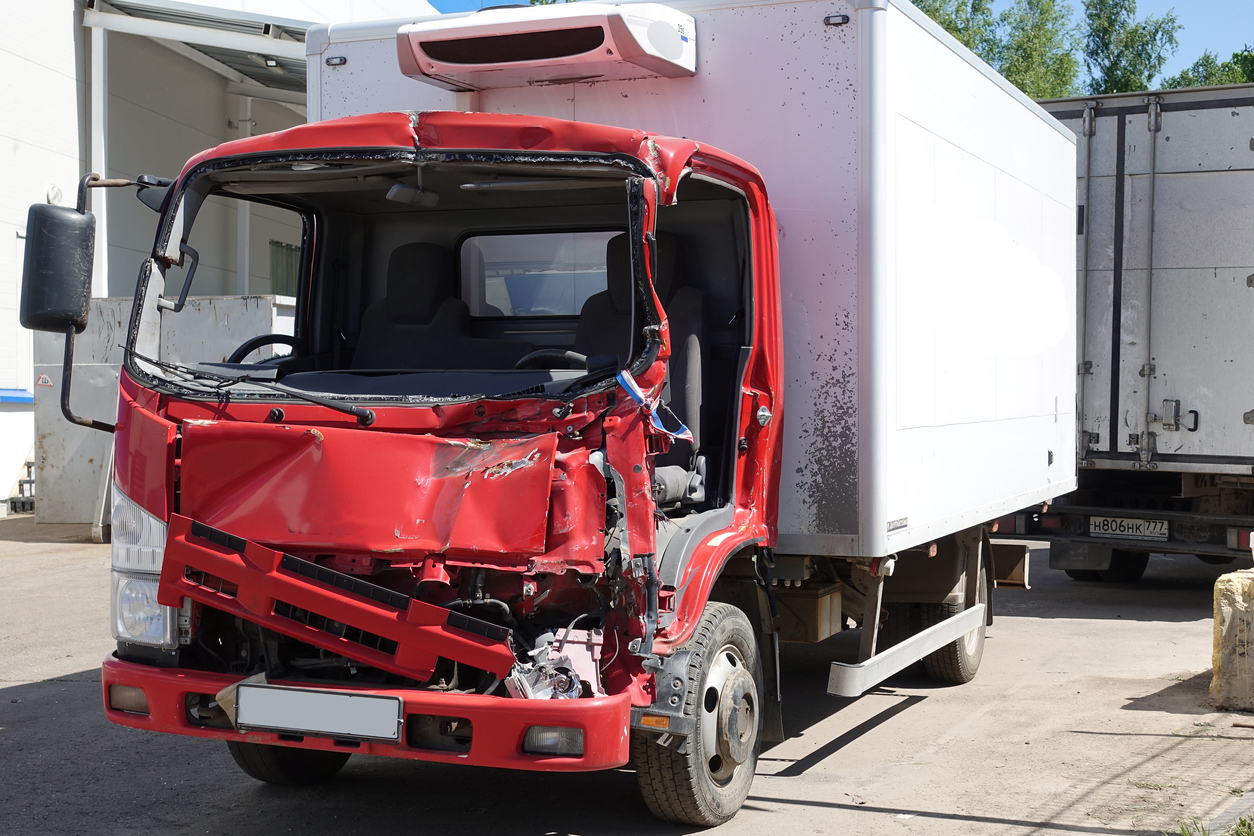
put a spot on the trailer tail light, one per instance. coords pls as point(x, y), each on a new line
point(1239, 538)
point(1051, 522)
point(127, 698)
point(549, 44)
point(553, 740)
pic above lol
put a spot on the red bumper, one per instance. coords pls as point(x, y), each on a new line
point(499, 723)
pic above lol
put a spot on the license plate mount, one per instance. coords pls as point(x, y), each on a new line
point(1128, 528)
point(309, 711)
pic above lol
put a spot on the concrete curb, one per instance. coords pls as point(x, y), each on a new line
point(1243, 806)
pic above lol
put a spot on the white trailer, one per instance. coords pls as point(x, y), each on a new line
point(1166, 268)
point(926, 219)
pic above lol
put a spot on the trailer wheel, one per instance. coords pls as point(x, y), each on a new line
point(1083, 574)
point(707, 784)
point(1125, 567)
point(284, 765)
point(957, 661)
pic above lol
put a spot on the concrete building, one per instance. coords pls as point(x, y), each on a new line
point(127, 88)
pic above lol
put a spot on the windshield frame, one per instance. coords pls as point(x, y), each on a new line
point(638, 174)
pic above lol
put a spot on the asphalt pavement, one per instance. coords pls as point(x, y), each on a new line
point(1088, 715)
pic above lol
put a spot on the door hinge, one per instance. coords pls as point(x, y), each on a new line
point(1148, 370)
point(1085, 367)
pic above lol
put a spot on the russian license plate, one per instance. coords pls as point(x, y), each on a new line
point(1121, 527)
point(329, 713)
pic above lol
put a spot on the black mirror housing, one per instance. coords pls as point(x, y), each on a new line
point(56, 274)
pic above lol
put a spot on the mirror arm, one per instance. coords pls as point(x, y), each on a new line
point(67, 372)
point(175, 307)
point(94, 181)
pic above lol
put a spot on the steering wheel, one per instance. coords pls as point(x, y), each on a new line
point(571, 358)
point(300, 348)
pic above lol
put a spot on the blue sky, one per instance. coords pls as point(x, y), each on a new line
point(1222, 26)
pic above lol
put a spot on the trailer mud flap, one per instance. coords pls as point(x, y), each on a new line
point(340, 613)
point(854, 680)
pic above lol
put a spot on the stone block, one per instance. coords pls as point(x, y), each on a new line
point(1232, 681)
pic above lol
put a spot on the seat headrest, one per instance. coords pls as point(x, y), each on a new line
point(420, 278)
point(618, 269)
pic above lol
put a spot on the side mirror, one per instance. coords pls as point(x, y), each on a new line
point(56, 277)
point(56, 281)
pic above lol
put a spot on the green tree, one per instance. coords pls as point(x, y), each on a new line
point(1037, 49)
point(970, 21)
point(1208, 71)
point(1122, 53)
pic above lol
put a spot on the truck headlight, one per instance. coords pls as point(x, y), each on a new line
point(137, 617)
point(137, 539)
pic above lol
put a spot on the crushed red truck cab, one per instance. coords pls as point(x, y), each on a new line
point(436, 532)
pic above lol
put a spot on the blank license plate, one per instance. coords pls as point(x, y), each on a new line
point(330, 713)
point(1120, 527)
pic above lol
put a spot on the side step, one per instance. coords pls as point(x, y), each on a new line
point(855, 680)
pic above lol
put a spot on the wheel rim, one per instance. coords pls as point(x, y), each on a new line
point(728, 715)
point(971, 641)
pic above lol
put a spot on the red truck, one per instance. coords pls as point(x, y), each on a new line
point(512, 498)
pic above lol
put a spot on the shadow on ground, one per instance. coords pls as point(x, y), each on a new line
point(23, 529)
point(1174, 588)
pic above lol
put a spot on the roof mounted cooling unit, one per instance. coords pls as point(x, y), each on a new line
point(554, 44)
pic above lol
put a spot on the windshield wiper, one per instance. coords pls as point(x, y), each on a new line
point(228, 377)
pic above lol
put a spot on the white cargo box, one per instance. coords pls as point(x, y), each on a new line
point(1180, 348)
point(927, 219)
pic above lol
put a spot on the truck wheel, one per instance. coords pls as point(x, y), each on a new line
point(707, 784)
point(1083, 574)
point(956, 662)
point(1125, 567)
point(284, 765)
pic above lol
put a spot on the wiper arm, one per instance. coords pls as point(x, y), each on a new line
point(226, 378)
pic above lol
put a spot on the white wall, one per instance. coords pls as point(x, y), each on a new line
point(163, 110)
point(43, 99)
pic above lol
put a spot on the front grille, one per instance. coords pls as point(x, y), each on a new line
point(211, 582)
point(335, 628)
point(346, 583)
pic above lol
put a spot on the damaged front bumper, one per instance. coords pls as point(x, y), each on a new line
point(498, 725)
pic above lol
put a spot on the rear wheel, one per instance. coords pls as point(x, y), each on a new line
point(707, 784)
point(284, 765)
point(1125, 567)
point(1083, 574)
point(957, 661)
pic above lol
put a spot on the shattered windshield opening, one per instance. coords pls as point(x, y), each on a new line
point(396, 280)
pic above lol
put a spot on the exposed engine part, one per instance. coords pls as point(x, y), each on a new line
point(548, 676)
point(550, 680)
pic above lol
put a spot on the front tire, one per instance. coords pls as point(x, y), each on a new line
point(286, 766)
point(707, 785)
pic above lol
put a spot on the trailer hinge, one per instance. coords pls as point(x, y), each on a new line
point(1089, 125)
point(1148, 370)
point(1155, 113)
point(1089, 441)
point(1084, 368)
